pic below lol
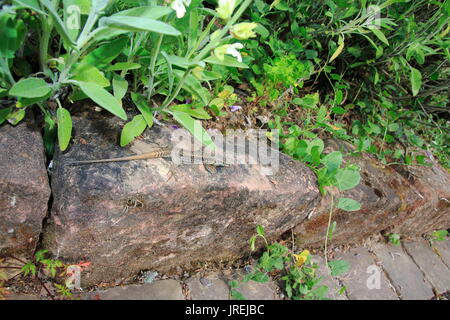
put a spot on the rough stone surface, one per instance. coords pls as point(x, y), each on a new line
point(361, 281)
point(158, 290)
point(385, 198)
point(432, 210)
point(151, 214)
point(436, 272)
point(327, 280)
point(258, 291)
point(253, 290)
point(408, 200)
point(442, 248)
point(404, 274)
point(210, 287)
point(24, 187)
point(16, 296)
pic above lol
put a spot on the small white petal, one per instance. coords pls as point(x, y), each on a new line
point(232, 51)
point(178, 6)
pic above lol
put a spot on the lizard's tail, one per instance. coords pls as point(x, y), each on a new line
point(99, 161)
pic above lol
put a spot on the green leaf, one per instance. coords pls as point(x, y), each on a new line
point(194, 87)
point(106, 53)
point(380, 35)
point(141, 103)
point(252, 242)
point(347, 179)
point(416, 81)
point(64, 127)
point(132, 129)
point(194, 127)
point(58, 23)
point(137, 24)
point(16, 116)
point(88, 73)
point(236, 295)
point(439, 235)
point(103, 98)
point(260, 230)
point(124, 66)
point(331, 230)
point(338, 267)
point(30, 88)
point(170, 75)
point(196, 112)
point(227, 61)
point(348, 204)
point(120, 86)
point(4, 114)
point(338, 50)
point(150, 12)
point(332, 161)
point(315, 143)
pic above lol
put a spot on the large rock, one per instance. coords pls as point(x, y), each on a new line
point(151, 214)
point(409, 200)
point(24, 187)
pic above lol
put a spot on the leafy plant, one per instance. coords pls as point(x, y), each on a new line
point(394, 239)
point(439, 235)
point(42, 268)
point(297, 270)
point(91, 49)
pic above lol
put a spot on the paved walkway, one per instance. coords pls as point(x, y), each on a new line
point(414, 270)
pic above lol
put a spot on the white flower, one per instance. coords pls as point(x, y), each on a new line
point(231, 49)
point(180, 7)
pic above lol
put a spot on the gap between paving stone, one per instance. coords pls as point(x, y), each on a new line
point(365, 279)
point(405, 275)
point(431, 265)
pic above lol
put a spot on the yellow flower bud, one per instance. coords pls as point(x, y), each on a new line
point(244, 30)
point(226, 8)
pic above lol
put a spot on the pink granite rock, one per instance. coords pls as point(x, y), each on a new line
point(152, 214)
point(409, 200)
point(24, 187)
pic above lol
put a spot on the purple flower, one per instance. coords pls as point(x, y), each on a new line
point(235, 108)
point(175, 127)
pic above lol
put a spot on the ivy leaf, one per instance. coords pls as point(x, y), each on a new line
point(338, 267)
point(332, 161)
point(348, 204)
point(132, 129)
point(347, 179)
point(64, 127)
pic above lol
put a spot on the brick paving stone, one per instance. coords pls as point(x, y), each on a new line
point(253, 290)
point(404, 274)
point(210, 287)
point(17, 296)
point(158, 290)
point(362, 281)
point(442, 248)
point(327, 280)
point(436, 272)
point(259, 291)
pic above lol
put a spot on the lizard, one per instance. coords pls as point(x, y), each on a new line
point(209, 162)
